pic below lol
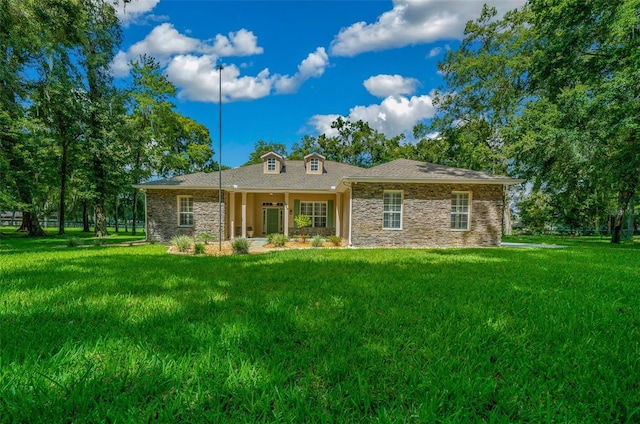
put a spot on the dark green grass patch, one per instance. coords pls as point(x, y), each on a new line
point(385, 335)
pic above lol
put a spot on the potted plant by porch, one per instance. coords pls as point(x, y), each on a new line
point(250, 232)
point(302, 222)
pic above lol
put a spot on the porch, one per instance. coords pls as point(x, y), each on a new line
point(258, 214)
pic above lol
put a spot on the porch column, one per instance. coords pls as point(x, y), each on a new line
point(244, 214)
point(286, 214)
point(232, 213)
point(338, 213)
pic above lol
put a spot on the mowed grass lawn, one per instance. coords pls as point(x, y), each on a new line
point(133, 334)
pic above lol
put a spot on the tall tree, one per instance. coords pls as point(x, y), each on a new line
point(61, 100)
point(261, 147)
point(163, 142)
point(150, 93)
point(102, 36)
point(550, 92)
point(586, 63)
point(356, 143)
point(29, 31)
point(485, 91)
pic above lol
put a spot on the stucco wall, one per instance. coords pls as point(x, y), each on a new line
point(426, 216)
point(162, 214)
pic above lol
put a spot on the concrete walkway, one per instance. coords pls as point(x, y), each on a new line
point(539, 246)
point(257, 245)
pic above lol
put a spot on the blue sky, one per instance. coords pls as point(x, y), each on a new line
point(292, 67)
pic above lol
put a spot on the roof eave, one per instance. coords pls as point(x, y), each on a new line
point(175, 187)
point(500, 181)
point(235, 189)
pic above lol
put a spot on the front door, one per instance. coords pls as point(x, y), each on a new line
point(273, 220)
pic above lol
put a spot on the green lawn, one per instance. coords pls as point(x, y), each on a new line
point(132, 334)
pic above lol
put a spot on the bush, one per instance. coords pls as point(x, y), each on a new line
point(316, 241)
point(182, 243)
point(278, 240)
point(98, 242)
point(302, 222)
point(205, 238)
point(74, 242)
point(240, 246)
point(336, 240)
point(199, 249)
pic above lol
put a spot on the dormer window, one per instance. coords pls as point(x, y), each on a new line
point(314, 163)
point(273, 163)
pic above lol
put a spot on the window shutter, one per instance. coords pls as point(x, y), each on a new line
point(296, 211)
point(330, 213)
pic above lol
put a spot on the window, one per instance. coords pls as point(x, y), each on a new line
point(460, 211)
point(392, 216)
point(317, 211)
point(314, 165)
point(271, 164)
point(185, 211)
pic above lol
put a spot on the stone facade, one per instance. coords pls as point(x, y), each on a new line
point(162, 214)
point(426, 216)
point(312, 231)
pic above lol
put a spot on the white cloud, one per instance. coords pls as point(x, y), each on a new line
point(311, 67)
point(240, 43)
point(322, 124)
point(434, 52)
point(393, 116)
point(131, 12)
point(413, 22)
point(165, 42)
point(390, 85)
point(198, 79)
point(120, 65)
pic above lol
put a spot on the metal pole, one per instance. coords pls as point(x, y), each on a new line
point(220, 68)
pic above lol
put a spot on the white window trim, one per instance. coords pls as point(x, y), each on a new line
point(468, 213)
point(401, 210)
point(314, 162)
point(326, 208)
point(271, 161)
point(180, 212)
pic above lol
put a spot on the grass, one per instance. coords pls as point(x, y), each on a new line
point(131, 334)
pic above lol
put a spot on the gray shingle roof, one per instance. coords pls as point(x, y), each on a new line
point(406, 169)
point(252, 177)
point(294, 176)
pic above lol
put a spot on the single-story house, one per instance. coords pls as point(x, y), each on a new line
point(399, 203)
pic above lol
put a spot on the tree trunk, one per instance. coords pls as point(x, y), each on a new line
point(623, 203)
point(100, 224)
point(117, 228)
point(85, 217)
point(31, 225)
point(134, 212)
point(507, 223)
point(63, 188)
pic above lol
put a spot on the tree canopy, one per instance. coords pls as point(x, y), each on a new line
point(67, 131)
